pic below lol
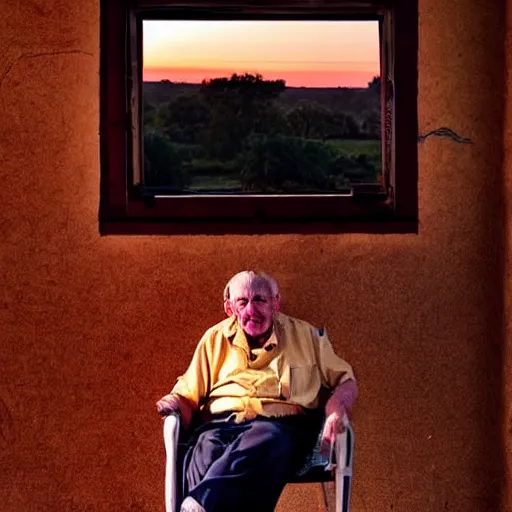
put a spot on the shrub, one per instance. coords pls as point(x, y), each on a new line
point(272, 163)
point(162, 163)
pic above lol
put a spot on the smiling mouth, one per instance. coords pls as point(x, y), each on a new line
point(253, 321)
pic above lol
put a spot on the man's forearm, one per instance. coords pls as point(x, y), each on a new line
point(341, 400)
point(176, 403)
point(344, 395)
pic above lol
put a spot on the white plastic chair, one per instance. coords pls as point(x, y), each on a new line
point(336, 466)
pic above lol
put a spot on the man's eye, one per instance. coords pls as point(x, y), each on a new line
point(241, 302)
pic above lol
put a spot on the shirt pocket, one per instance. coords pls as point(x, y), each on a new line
point(304, 383)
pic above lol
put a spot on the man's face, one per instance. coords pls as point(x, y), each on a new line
point(253, 305)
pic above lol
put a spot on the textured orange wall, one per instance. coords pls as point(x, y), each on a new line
point(94, 330)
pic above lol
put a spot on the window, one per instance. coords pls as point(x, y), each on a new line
point(258, 117)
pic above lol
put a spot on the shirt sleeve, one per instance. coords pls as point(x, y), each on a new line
point(334, 369)
point(194, 384)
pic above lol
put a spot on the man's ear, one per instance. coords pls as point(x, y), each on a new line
point(227, 308)
point(276, 304)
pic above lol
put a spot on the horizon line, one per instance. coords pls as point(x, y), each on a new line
point(293, 78)
point(286, 86)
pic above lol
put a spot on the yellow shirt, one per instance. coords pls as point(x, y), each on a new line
point(283, 377)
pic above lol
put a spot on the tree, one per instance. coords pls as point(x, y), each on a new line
point(185, 118)
point(149, 113)
point(280, 163)
point(374, 85)
point(308, 119)
point(242, 89)
point(162, 163)
point(239, 106)
point(311, 120)
point(371, 124)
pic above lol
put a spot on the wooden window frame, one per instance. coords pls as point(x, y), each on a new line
point(126, 208)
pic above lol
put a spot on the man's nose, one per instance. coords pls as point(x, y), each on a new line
point(251, 306)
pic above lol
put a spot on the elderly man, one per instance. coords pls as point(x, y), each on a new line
point(258, 381)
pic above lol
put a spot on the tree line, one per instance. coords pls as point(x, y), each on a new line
point(237, 127)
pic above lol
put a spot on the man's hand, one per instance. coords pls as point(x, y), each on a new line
point(336, 409)
point(333, 425)
point(170, 404)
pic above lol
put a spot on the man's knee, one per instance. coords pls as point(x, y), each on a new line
point(205, 451)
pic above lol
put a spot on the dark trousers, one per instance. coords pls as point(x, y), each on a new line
point(232, 467)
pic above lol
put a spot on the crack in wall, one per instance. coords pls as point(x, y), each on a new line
point(445, 132)
point(24, 56)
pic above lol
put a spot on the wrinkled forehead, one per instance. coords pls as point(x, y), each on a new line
point(249, 286)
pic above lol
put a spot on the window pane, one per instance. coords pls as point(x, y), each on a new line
point(273, 107)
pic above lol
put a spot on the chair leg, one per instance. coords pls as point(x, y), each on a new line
point(342, 492)
point(343, 471)
point(324, 495)
point(339, 492)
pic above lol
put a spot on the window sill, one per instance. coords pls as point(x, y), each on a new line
point(255, 215)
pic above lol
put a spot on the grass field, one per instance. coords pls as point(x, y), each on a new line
point(354, 147)
point(202, 183)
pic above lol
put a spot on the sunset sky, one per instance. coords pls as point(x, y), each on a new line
point(303, 53)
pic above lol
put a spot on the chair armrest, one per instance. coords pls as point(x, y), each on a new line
point(342, 451)
point(171, 435)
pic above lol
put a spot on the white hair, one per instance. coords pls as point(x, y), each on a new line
point(249, 274)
